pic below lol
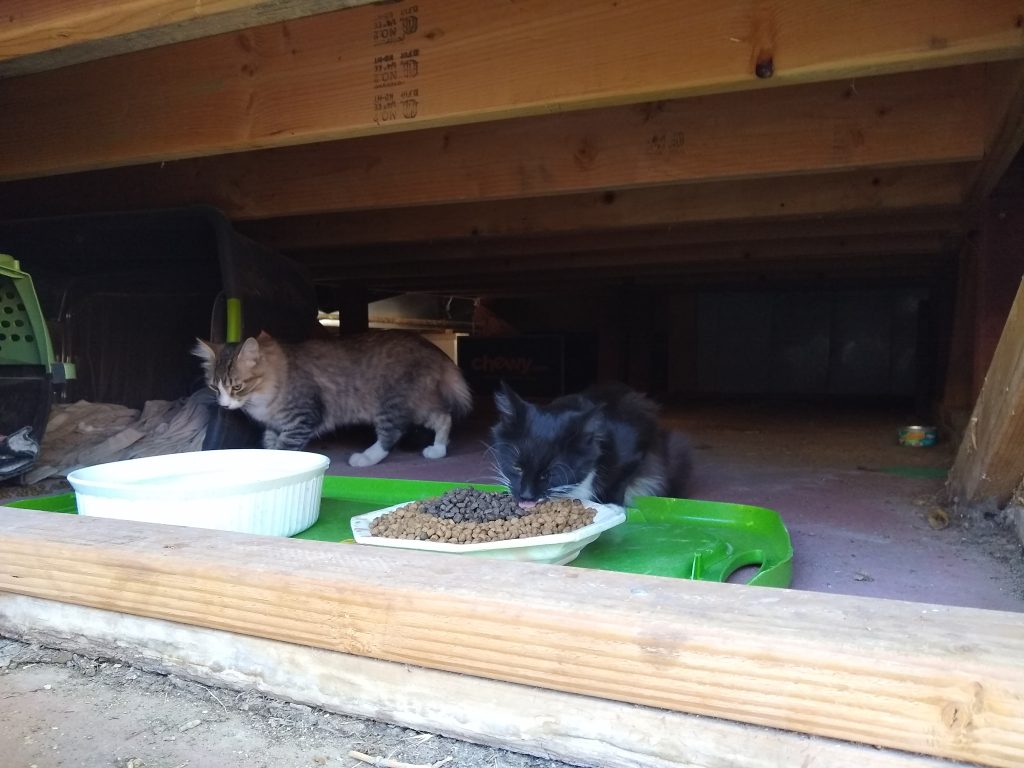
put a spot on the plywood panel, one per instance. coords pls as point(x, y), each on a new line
point(422, 63)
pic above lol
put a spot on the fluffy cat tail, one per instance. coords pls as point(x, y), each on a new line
point(678, 464)
point(456, 393)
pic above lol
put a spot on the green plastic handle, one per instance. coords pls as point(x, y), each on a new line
point(234, 320)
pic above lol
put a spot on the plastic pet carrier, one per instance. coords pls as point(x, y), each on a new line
point(27, 370)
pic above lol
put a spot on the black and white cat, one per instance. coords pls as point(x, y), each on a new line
point(601, 445)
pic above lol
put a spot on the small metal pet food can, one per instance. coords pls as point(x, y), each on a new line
point(917, 436)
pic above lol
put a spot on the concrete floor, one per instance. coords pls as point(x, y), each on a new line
point(837, 477)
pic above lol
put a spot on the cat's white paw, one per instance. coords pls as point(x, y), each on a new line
point(372, 455)
point(435, 451)
point(362, 460)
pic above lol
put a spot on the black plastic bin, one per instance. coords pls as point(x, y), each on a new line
point(127, 294)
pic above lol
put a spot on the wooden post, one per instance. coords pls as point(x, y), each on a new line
point(990, 461)
point(1000, 264)
point(958, 390)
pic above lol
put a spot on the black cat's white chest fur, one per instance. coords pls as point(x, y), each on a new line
point(601, 445)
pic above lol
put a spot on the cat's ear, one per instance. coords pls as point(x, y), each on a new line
point(510, 405)
point(264, 337)
point(207, 352)
point(592, 425)
point(249, 353)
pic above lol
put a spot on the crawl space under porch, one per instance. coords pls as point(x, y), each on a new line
point(799, 227)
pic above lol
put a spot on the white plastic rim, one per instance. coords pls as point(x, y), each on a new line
point(556, 548)
point(274, 493)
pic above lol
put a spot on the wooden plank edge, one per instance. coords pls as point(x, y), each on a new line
point(519, 718)
point(64, 41)
point(936, 680)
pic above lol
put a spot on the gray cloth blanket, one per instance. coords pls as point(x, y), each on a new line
point(82, 434)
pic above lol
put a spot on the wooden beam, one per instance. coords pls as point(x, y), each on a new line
point(310, 233)
point(444, 260)
point(472, 267)
point(989, 463)
point(940, 681)
point(859, 193)
point(907, 119)
point(424, 63)
point(546, 723)
point(481, 282)
point(36, 36)
point(1004, 144)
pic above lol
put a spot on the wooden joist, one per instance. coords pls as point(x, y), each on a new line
point(36, 36)
point(860, 246)
point(310, 233)
point(1007, 110)
point(935, 680)
point(447, 260)
point(427, 63)
point(854, 193)
point(813, 272)
point(881, 122)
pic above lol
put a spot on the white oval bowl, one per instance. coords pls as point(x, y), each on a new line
point(273, 493)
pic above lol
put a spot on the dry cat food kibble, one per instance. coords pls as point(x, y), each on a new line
point(469, 516)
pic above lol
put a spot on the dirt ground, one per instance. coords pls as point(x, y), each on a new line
point(61, 710)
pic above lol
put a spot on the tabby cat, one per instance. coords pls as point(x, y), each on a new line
point(391, 379)
point(601, 445)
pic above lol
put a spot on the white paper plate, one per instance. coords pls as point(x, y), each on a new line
point(556, 548)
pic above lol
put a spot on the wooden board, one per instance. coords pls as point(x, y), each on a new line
point(936, 680)
point(310, 233)
point(816, 273)
point(444, 261)
point(906, 119)
point(856, 193)
point(1007, 110)
point(423, 63)
point(522, 718)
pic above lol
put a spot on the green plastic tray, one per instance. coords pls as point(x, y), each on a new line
point(680, 538)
